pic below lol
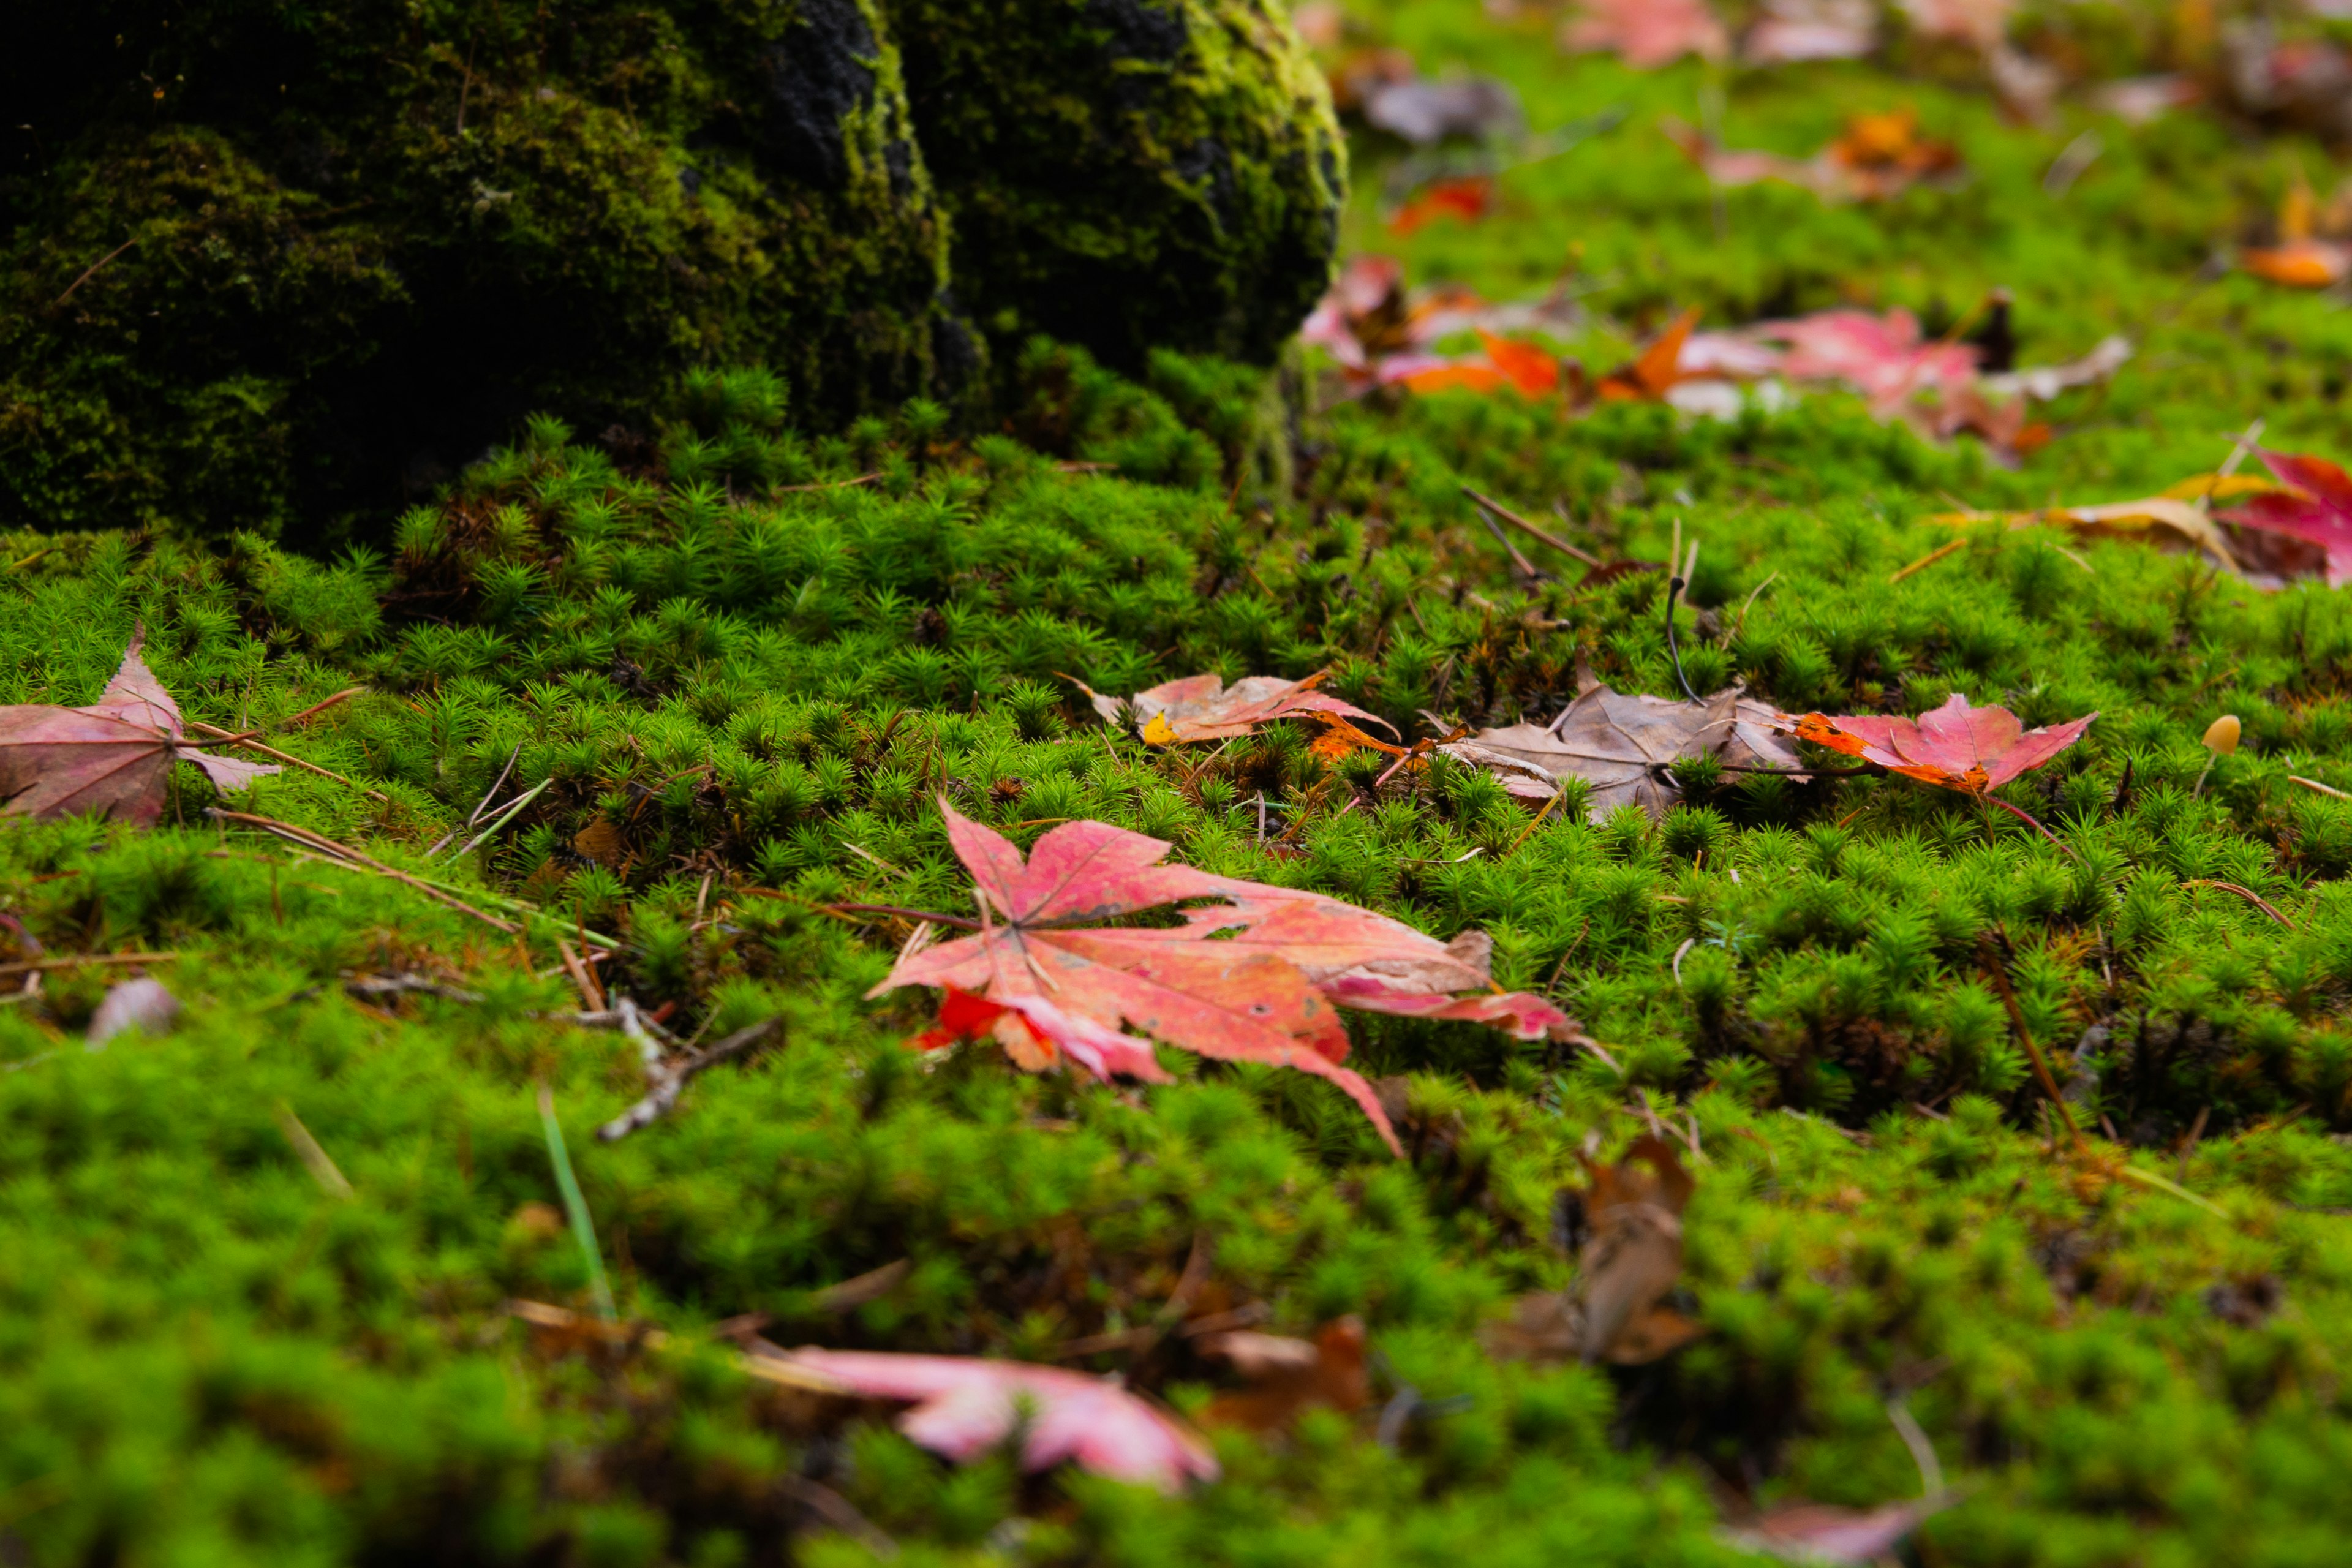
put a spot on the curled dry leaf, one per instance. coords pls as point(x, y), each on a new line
point(1820, 1533)
point(109, 758)
point(1622, 747)
point(1203, 708)
point(1876, 158)
point(1646, 34)
point(964, 1407)
point(1954, 747)
point(1048, 986)
point(142, 1005)
point(1288, 1376)
point(2314, 508)
point(1631, 1260)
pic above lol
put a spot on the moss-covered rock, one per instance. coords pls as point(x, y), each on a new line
point(260, 263)
point(1129, 174)
point(360, 244)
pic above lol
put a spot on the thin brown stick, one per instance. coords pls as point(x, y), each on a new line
point(2246, 893)
point(1999, 974)
point(82, 960)
point(92, 270)
point(829, 485)
point(315, 708)
point(1543, 534)
point(669, 1077)
point(1930, 559)
point(2316, 787)
point(320, 841)
point(216, 732)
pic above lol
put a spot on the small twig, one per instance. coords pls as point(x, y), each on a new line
point(1930, 559)
point(958, 922)
point(2244, 892)
point(1525, 568)
point(831, 485)
point(372, 987)
point(216, 732)
point(92, 270)
point(2316, 787)
point(1498, 509)
point(583, 980)
point(345, 695)
point(668, 1077)
point(76, 961)
point(529, 795)
point(308, 840)
point(1999, 974)
point(480, 805)
point(837, 1511)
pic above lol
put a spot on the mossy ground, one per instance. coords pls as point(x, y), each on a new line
point(757, 690)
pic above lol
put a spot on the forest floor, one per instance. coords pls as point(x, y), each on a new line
point(259, 1302)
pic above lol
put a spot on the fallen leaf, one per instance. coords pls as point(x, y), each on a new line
point(1874, 157)
point(964, 1407)
point(109, 758)
point(600, 842)
point(1980, 24)
point(1203, 708)
point(1465, 199)
point(1422, 112)
point(1883, 357)
point(1288, 1376)
point(1792, 30)
point(1623, 745)
point(1532, 369)
point(2315, 507)
point(1646, 34)
point(1954, 747)
point(1264, 990)
point(2300, 263)
point(1655, 370)
point(2045, 383)
point(2161, 517)
point(1631, 1261)
point(142, 1005)
point(1820, 1533)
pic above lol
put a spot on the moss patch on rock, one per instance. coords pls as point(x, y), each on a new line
point(1129, 174)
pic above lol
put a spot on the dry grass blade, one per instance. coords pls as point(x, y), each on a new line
point(669, 1079)
point(318, 841)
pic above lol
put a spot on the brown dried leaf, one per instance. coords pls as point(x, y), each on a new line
point(1620, 746)
point(1634, 1257)
point(1290, 1376)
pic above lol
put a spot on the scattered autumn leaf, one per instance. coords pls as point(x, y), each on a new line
point(1203, 708)
point(1979, 23)
point(1874, 157)
point(143, 1005)
point(1623, 746)
point(1646, 34)
point(2315, 507)
point(1288, 1376)
point(1814, 1533)
point(1254, 978)
point(1956, 747)
point(112, 758)
point(1466, 200)
point(1792, 30)
point(1628, 1264)
point(964, 1407)
point(1422, 112)
point(1655, 370)
point(2303, 258)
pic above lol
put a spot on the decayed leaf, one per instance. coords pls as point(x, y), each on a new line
point(1655, 370)
point(110, 758)
point(1422, 112)
point(1977, 22)
point(1792, 30)
point(963, 1406)
point(1465, 199)
point(1876, 157)
point(1047, 987)
point(1203, 708)
point(1646, 34)
point(1956, 747)
point(1621, 747)
point(2316, 507)
point(1820, 1533)
point(1288, 1376)
point(141, 1005)
point(2178, 516)
point(1631, 1260)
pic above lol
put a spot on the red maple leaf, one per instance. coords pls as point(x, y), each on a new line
point(2316, 507)
point(1253, 977)
point(109, 758)
point(964, 1407)
point(1956, 747)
